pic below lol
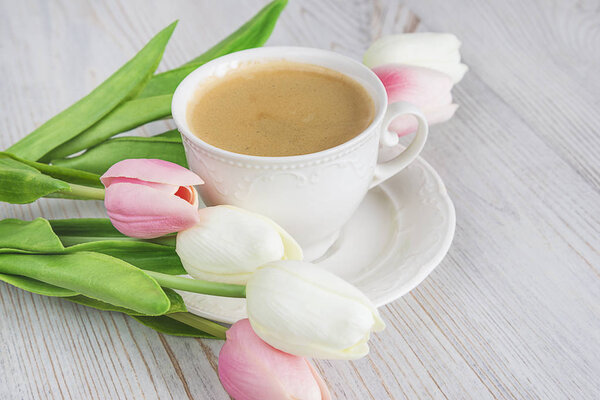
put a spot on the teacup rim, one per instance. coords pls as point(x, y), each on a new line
point(273, 52)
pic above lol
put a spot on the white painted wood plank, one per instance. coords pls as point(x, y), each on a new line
point(513, 310)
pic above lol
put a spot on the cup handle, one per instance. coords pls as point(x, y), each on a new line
point(388, 169)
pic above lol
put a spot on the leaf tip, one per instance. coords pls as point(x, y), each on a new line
point(173, 24)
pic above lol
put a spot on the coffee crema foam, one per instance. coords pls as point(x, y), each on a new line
point(279, 108)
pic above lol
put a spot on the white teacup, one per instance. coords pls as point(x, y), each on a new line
point(310, 195)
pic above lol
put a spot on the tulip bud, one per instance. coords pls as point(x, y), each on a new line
point(228, 244)
point(437, 51)
point(250, 369)
point(305, 310)
point(427, 89)
point(148, 198)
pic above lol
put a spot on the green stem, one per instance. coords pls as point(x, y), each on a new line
point(87, 192)
point(198, 286)
point(80, 192)
point(200, 323)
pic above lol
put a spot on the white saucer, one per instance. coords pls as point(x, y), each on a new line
point(400, 233)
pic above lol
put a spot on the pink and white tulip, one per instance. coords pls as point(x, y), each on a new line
point(148, 198)
point(426, 88)
point(250, 369)
point(437, 51)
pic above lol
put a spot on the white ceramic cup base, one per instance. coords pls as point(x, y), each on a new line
point(313, 195)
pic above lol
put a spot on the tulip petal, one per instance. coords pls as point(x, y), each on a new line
point(291, 248)
point(456, 71)
point(188, 193)
point(416, 85)
point(144, 212)
point(305, 310)
point(228, 244)
point(439, 51)
point(151, 170)
point(325, 395)
point(418, 46)
point(407, 124)
point(443, 100)
point(164, 187)
point(250, 369)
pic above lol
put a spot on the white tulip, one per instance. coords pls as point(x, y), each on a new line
point(438, 51)
point(229, 244)
point(305, 310)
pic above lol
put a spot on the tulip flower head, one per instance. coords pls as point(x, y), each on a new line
point(250, 369)
point(305, 310)
point(437, 51)
point(228, 244)
point(148, 198)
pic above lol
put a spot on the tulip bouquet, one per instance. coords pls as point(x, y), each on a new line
point(156, 242)
point(133, 265)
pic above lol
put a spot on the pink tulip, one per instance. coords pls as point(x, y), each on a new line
point(147, 198)
point(250, 369)
point(426, 88)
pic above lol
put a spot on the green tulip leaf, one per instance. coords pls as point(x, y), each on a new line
point(38, 237)
point(35, 286)
point(144, 255)
point(172, 134)
point(24, 184)
point(253, 33)
point(34, 236)
point(65, 174)
point(94, 275)
point(92, 228)
point(99, 158)
point(161, 324)
point(73, 231)
point(123, 84)
point(169, 326)
point(100, 305)
point(124, 117)
point(177, 304)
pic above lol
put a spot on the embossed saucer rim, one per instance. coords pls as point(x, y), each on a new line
point(443, 248)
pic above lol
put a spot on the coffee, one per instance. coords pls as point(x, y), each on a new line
point(279, 108)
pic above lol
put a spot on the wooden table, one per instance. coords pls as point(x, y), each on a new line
point(514, 309)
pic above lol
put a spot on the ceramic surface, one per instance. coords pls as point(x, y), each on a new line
point(399, 234)
point(311, 196)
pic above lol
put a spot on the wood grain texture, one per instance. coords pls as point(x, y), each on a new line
point(513, 310)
